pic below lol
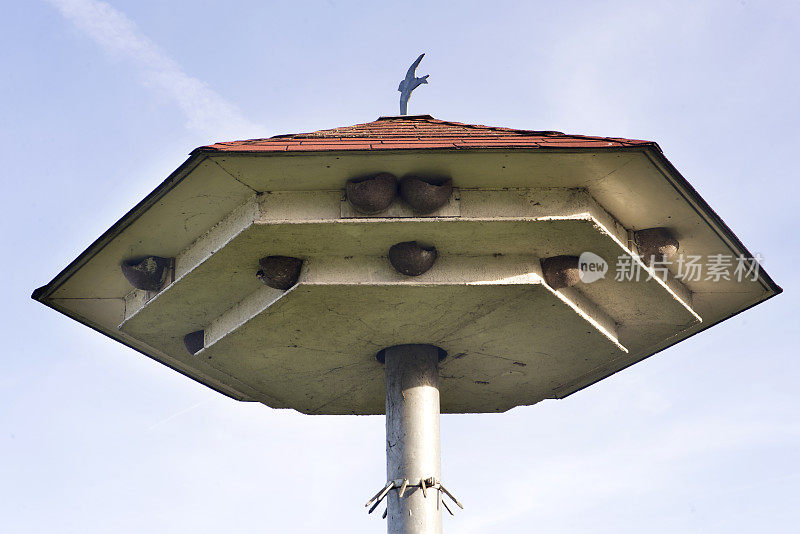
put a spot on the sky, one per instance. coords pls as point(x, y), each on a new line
point(100, 101)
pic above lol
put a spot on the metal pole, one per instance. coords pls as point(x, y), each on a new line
point(413, 450)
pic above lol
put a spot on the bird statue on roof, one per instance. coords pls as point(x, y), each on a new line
point(410, 83)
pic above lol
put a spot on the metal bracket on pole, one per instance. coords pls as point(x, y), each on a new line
point(402, 485)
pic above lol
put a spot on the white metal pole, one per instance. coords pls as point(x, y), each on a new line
point(413, 450)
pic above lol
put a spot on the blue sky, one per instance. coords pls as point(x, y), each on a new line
point(101, 101)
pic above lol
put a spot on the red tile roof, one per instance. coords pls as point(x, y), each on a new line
point(418, 132)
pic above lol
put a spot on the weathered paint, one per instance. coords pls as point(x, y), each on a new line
point(226, 211)
point(413, 445)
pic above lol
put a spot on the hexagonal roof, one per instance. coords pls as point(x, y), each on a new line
point(512, 338)
point(418, 132)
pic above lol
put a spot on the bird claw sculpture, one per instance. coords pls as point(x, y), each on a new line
point(410, 83)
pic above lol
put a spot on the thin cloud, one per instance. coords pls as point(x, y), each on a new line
point(178, 414)
point(206, 111)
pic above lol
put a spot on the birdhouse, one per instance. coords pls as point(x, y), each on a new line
point(524, 265)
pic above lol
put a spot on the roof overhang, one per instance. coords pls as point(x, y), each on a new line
point(219, 213)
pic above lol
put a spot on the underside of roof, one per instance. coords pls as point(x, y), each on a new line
point(519, 196)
